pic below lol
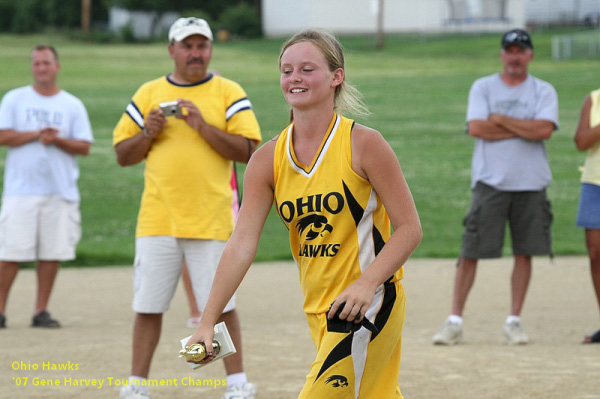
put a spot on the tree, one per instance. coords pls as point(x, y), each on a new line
point(214, 9)
point(211, 7)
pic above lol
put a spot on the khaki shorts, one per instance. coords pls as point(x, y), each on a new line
point(529, 216)
point(157, 267)
point(38, 227)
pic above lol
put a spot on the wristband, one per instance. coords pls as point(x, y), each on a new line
point(146, 134)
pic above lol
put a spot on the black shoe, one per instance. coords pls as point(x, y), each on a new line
point(2, 321)
point(590, 339)
point(43, 319)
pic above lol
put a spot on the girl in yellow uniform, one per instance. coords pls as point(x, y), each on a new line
point(339, 189)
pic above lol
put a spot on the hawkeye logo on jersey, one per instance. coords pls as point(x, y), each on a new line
point(337, 381)
point(311, 223)
point(316, 224)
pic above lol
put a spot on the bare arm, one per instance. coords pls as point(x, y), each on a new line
point(70, 146)
point(230, 146)
point(12, 138)
point(374, 159)
point(241, 247)
point(535, 130)
point(586, 136)
point(488, 130)
point(73, 147)
point(133, 150)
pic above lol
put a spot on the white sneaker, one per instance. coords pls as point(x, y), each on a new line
point(237, 392)
point(515, 333)
point(129, 392)
point(450, 334)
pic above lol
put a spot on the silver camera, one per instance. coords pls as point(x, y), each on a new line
point(170, 108)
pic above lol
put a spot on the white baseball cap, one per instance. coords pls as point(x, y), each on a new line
point(185, 27)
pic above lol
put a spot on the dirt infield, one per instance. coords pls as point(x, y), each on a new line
point(94, 344)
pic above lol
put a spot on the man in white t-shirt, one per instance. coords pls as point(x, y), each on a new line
point(45, 129)
point(510, 115)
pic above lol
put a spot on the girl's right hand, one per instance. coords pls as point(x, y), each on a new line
point(204, 334)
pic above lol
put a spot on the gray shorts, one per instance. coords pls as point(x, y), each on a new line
point(529, 216)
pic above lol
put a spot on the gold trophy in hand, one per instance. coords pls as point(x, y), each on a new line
point(222, 346)
point(197, 352)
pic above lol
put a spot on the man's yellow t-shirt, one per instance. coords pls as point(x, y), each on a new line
point(187, 191)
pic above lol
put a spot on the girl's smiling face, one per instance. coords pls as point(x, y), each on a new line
point(306, 80)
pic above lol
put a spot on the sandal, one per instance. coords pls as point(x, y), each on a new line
point(592, 339)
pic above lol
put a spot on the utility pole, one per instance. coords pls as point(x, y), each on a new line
point(380, 34)
point(86, 12)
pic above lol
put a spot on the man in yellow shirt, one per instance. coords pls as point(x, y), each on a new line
point(185, 212)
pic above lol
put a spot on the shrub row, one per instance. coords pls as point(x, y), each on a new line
point(238, 17)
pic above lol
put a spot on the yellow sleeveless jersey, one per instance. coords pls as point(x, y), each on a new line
point(187, 191)
point(337, 224)
point(591, 171)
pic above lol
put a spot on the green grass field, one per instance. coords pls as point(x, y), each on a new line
point(416, 89)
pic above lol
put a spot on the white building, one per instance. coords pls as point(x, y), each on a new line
point(285, 17)
point(548, 11)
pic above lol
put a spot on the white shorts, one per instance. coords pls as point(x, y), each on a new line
point(38, 227)
point(157, 267)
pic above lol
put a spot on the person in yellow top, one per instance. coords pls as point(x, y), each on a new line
point(587, 138)
point(339, 189)
point(185, 212)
